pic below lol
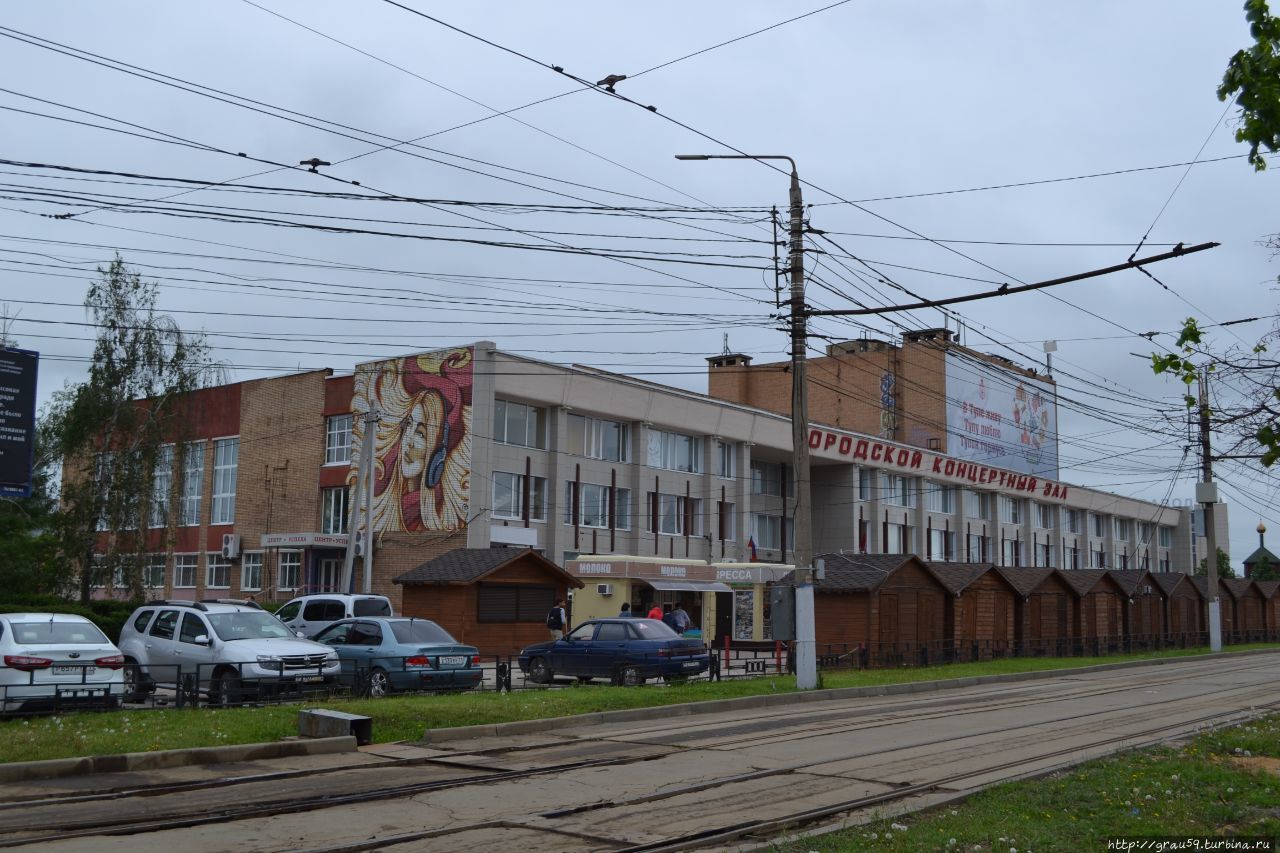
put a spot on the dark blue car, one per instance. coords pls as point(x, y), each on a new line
point(402, 654)
point(627, 651)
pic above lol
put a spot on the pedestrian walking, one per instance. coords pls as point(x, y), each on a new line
point(682, 619)
point(655, 612)
point(626, 609)
point(557, 620)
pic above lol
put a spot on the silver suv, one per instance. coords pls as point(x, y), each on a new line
point(229, 650)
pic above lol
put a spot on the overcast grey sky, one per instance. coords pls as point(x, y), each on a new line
point(872, 100)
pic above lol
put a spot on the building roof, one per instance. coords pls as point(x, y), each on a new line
point(1168, 581)
point(468, 565)
point(1129, 579)
point(1238, 587)
point(1261, 554)
point(1024, 580)
point(1084, 580)
point(1202, 583)
point(1267, 588)
point(957, 576)
point(858, 572)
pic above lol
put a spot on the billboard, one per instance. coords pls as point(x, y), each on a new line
point(1000, 418)
point(17, 420)
point(422, 442)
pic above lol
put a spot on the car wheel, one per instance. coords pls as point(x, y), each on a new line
point(136, 686)
point(228, 691)
point(539, 672)
point(379, 683)
point(629, 676)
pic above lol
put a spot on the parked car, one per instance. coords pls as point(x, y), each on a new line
point(232, 650)
point(628, 651)
point(309, 613)
point(402, 654)
point(52, 660)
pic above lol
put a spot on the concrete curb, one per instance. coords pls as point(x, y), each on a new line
point(715, 706)
point(26, 771)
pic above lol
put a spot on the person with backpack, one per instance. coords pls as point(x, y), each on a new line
point(557, 621)
point(669, 618)
point(682, 619)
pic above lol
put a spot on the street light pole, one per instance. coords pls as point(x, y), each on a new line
point(802, 526)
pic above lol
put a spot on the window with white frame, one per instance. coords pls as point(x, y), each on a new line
point(1071, 521)
point(1145, 531)
point(1042, 515)
point(103, 466)
point(333, 510)
point(766, 531)
point(289, 570)
point(598, 438)
point(942, 544)
point(251, 571)
point(767, 478)
point(897, 539)
point(728, 521)
point(1043, 555)
point(1070, 557)
point(226, 452)
point(977, 548)
point(1122, 526)
point(977, 505)
point(593, 506)
point(161, 486)
point(1011, 553)
point(1166, 537)
point(1010, 510)
point(1166, 564)
point(1097, 525)
point(726, 460)
point(673, 511)
point(1097, 559)
point(1144, 562)
point(1122, 561)
point(519, 424)
point(217, 571)
point(509, 498)
point(153, 571)
point(674, 451)
point(337, 440)
point(866, 484)
point(897, 490)
point(939, 497)
point(184, 570)
point(192, 483)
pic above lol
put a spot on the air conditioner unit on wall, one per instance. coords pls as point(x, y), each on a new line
point(604, 589)
point(359, 546)
point(230, 545)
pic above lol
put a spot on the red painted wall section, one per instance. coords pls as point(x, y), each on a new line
point(337, 394)
point(212, 412)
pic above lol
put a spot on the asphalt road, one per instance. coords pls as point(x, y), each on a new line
point(673, 782)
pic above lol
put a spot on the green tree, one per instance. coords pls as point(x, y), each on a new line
point(117, 429)
point(1224, 566)
point(1264, 570)
point(1253, 78)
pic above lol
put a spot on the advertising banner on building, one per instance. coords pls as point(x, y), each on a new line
point(1000, 418)
point(422, 444)
point(17, 420)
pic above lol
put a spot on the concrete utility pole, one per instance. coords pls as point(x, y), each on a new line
point(362, 498)
point(1207, 494)
point(802, 527)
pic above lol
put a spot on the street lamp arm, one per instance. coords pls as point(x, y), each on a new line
point(739, 157)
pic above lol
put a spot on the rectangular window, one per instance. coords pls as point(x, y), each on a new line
point(729, 520)
point(513, 603)
point(192, 483)
point(597, 438)
point(184, 570)
point(897, 491)
point(251, 571)
point(1010, 511)
point(1122, 561)
point(290, 570)
point(226, 451)
point(1166, 537)
point(942, 545)
point(1166, 564)
point(153, 571)
point(766, 478)
point(1044, 555)
point(1071, 521)
point(673, 512)
point(674, 452)
point(977, 505)
point(161, 486)
point(519, 424)
point(726, 460)
point(767, 531)
point(1011, 553)
point(939, 498)
point(897, 539)
point(1097, 525)
point(593, 506)
point(866, 484)
point(1122, 529)
point(978, 548)
point(337, 440)
point(1071, 557)
point(1145, 531)
point(103, 465)
point(217, 571)
point(333, 510)
point(508, 497)
point(1097, 559)
point(1042, 514)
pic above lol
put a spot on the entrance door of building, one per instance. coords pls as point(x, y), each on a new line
point(328, 575)
point(724, 616)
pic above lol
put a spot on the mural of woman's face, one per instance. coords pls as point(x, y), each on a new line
point(418, 440)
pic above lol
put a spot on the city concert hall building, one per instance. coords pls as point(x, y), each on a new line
point(479, 448)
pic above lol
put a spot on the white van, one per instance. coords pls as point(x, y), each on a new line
point(308, 614)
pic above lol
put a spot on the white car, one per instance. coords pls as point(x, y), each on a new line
point(57, 660)
point(310, 614)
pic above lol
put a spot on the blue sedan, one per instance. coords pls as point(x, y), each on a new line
point(402, 654)
point(628, 651)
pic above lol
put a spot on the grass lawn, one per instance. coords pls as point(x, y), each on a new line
point(1217, 784)
point(407, 717)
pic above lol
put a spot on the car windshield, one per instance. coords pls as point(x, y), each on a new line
point(420, 631)
point(247, 625)
point(66, 633)
point(372, 607)
point(652, 629)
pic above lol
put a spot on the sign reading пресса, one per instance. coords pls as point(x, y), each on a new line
point(17, 420)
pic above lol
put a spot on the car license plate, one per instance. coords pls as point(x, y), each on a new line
point(453, 660)
point(691, 664)
point(73, 670)
point(310, 679)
